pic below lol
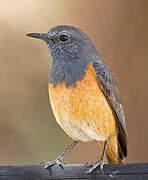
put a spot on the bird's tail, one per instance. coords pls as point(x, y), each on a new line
point(113, 151)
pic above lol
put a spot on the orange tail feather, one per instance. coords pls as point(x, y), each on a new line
point(113, 151)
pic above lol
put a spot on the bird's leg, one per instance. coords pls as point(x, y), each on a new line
point(94, 165)
point(60, 158)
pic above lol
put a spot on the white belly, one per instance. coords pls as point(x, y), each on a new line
point(82, 132)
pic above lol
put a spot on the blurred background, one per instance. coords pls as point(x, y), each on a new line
point(119, 29)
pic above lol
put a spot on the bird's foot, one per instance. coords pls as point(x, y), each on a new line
point(58, 161)
point(94, 165)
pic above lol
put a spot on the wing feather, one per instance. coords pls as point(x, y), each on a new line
point(110, 90)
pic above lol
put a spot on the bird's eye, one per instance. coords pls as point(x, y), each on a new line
point(63, 37)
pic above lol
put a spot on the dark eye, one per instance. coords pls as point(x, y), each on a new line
point(63, 37)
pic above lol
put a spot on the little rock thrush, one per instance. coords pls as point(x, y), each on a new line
point(83, 95)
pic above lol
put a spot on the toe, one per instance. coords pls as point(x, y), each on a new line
point(89, 164)
point(47, 164)
point(95, 165)
point(89, 171)
point(60, 163)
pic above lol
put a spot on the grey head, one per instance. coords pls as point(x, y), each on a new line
point(71, 50)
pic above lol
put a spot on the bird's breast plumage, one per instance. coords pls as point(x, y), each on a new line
point(83, 111)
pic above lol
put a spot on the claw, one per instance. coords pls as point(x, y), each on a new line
point(94, 165)
point(59, 162)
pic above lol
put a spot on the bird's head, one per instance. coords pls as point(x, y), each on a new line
point(66, 42)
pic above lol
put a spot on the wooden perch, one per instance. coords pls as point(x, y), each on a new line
point(138, 171)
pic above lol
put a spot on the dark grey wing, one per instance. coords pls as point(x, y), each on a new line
point(110, 90)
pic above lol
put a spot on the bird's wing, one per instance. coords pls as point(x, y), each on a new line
point(110, 90)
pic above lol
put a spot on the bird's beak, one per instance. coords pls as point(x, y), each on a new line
point(39, 36)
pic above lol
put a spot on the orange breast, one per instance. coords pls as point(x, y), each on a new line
point(83, 111)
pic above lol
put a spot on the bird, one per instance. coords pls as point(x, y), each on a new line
point(84, 95)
